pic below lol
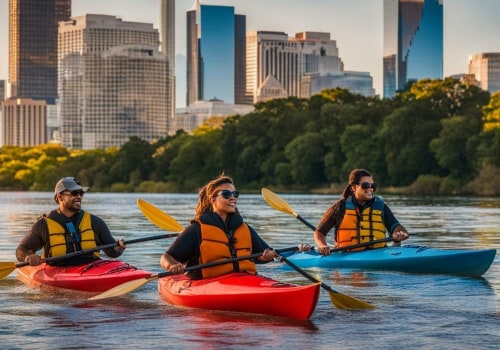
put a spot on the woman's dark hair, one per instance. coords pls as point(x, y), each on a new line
point(354, 178)
point(208, 191)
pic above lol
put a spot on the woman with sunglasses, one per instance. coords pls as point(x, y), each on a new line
point(358, 217)
point(67, 229)
point(217, 232)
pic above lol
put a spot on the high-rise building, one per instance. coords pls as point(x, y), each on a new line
point(24, 122)
point(2, 90)
point(215, 54)
point(413, 43)
point(279, 66)
point(485, 67)
point(33, 26)
point(167, 47)
point(197, 114)
point(112, 82)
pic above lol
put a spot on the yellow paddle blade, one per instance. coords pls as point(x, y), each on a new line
point(124, 288)
point(277, 202)
point(159, 217)
point(342, 301)
point(6, 268)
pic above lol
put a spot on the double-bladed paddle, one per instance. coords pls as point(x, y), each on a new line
point(130, 286)
point(156, 216)
point(166, 223)
point(280, 204)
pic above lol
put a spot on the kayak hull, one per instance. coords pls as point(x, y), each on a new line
point(241, 292)
point(406, 258)
point(97, 276)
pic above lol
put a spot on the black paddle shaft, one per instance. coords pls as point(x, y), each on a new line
point(226, 261)
point(101, 247)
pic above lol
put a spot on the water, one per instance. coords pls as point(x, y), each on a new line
point(413, 311)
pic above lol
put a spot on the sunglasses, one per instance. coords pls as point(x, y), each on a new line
point(75, 193)
point(227, 194)
point(367, 185)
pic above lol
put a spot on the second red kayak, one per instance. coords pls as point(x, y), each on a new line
point(241, 292)
point(97, 276)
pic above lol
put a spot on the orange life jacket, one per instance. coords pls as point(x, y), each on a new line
point(58, 235)
point(216, 246)
point(358, 227)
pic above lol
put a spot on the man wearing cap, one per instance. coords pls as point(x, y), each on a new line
point(67, 229)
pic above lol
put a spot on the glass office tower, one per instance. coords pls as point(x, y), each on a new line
point(167, 47)
point(215, 54)
point(413, 43)
point(33, 28)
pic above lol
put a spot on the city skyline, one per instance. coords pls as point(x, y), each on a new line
point(470, 27)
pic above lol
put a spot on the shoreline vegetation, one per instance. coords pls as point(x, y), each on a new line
point(438, 137)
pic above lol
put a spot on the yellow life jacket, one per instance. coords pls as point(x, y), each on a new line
point(361, 227)
point(215, 246)
point(58, 235)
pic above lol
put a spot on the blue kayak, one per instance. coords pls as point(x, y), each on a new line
point(405, 258)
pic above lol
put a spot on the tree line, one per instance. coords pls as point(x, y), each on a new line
point(438, 137)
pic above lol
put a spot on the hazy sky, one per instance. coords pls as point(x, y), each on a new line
point(470, 26)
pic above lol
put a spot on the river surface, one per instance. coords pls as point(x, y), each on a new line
point(412, 311)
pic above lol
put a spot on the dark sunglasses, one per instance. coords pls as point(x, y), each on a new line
point(367, 185)
point(227, 194)
point(75, 193)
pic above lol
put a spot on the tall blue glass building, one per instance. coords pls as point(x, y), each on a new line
point(413, 43)
point(215, 54)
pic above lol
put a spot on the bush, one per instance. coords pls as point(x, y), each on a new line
point(155, 187)
point(484, 183)
point(426, 184)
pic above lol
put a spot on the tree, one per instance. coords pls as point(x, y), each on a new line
point(455, 148)
point(305, 154)
point(362, 149)
point(198, 160)
point(406, 134)
point(136, 154)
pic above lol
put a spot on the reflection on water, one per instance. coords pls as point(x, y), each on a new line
point(445, 312)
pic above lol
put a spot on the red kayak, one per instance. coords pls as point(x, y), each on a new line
point(241, 292)
point(97, 276)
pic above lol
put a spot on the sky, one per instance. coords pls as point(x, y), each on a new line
point(470, 27)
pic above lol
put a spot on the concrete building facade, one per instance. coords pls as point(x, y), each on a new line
point(112, 82)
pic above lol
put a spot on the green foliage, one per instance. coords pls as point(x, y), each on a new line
point(426, 184)
point(305, 155)
point(439, 136)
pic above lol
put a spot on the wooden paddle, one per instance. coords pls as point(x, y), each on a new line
point(170, 225)
point(130, 286)
point(280, 204)
point(338, 299)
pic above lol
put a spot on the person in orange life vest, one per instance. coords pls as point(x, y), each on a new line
point(217, 232)
point(67, 229)
point(358, 217)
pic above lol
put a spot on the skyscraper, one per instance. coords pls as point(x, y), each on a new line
point(112, 82)
point(167, 47)
point(279, 66)
point(215, 54)
point(485, 67)
point(33, 28)
point(25, 122)
point(413, 43)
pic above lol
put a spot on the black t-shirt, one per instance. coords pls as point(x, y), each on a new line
point(38, 238)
